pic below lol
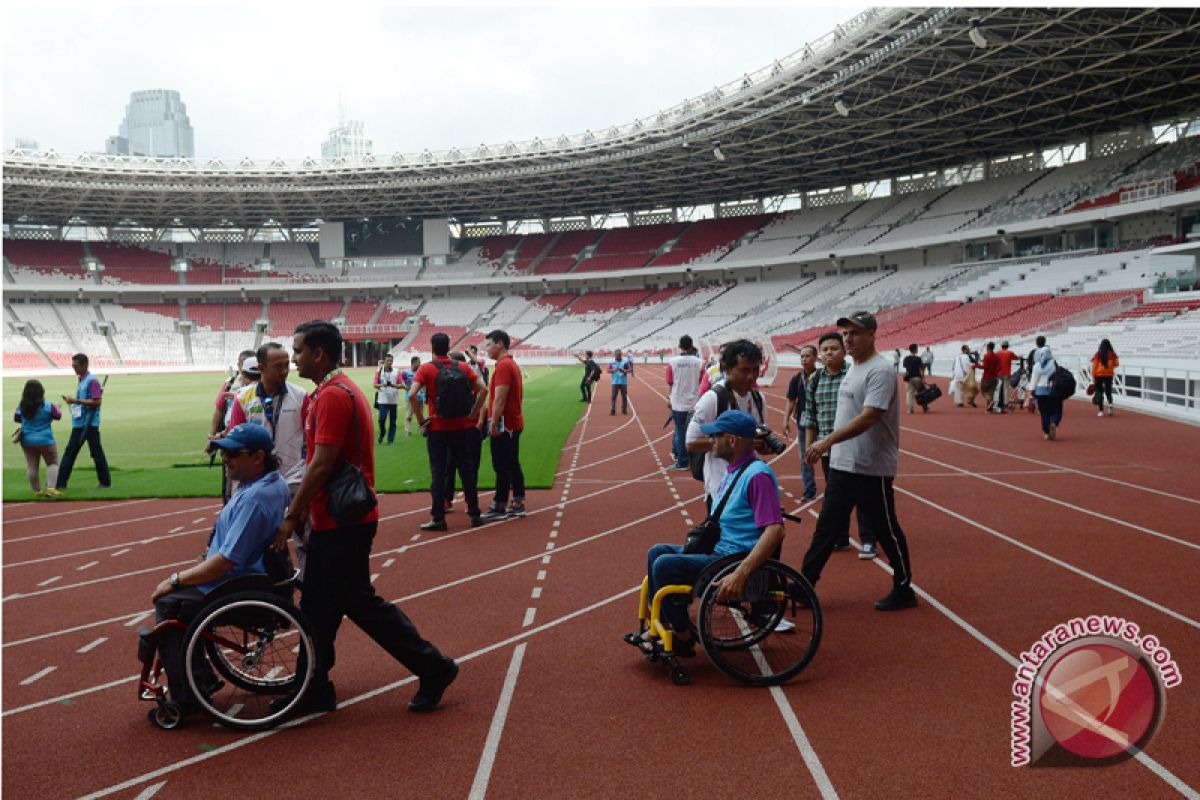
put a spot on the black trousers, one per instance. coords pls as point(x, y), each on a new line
point(585, 386)
point(91, 435)
point(872, 496)
point(623, 389)
point(452, 468)
point(1104, 388)
point(506, 458)
point(181, 604)
point(1049, 406)
point(864, 532)
point(446, 448)
point(337, 583)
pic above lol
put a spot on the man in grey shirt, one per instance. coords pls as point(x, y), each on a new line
point(864, 451)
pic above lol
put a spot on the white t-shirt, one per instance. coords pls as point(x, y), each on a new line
point(388, 380)
point(685, 381)
point(706, 411)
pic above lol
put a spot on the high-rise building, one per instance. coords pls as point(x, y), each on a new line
point(346, 139)
point(156, 124)
point(25, 145)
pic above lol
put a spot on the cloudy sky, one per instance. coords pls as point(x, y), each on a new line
point(265, 81)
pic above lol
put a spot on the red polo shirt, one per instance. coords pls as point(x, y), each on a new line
point(506, 373)
point(331, 419)
point(1006, 357)
point(427, 375)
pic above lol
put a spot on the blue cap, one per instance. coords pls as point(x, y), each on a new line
point(247, 436)
point(739, 423)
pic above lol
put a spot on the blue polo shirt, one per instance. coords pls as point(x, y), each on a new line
point(247, 525)
point(619, 378)
point(89, 388)
point(753, 506)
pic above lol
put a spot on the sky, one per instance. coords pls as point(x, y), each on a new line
point(270, 81)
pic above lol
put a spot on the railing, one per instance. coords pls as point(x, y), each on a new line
point(1173, 389)
point(1149, 189)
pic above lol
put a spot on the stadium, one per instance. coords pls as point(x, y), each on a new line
point(967, 175)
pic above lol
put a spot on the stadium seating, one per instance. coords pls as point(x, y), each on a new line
point(286, 316)
point(31, 253)
point(238, 317)
point(707, 241)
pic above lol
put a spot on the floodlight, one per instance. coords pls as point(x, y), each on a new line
point(976, 34)
point(717, 154)
point(840, 106)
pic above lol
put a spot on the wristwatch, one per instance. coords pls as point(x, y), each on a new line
point(174, 580)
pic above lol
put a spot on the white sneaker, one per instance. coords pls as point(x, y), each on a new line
point(1099, 413)
point(867, 552)
point(785, 626)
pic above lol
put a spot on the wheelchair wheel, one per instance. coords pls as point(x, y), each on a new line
point(262, 647)
point(741, 637)
point(167, 716)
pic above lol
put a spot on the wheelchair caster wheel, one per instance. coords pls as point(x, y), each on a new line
point(681, 675)
point(166, 716)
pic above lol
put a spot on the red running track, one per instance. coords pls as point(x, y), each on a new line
point(1010, 535)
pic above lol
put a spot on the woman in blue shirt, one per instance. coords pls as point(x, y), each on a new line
point(35, 414)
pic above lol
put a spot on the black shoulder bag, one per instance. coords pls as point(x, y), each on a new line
point(349, 497)
point(702, 539)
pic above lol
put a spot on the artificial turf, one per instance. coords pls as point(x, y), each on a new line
point(154, 429)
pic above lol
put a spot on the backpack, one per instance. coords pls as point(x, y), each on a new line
point(696, 460)
point(1062, 383)
point(454, 396)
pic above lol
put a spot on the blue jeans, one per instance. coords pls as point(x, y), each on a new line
point(808, 475)
point(666, 564)
point(679, 445)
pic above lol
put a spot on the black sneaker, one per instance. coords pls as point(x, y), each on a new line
point(515, 510)
point(434, 525)
point(899, 598)
point(493, 513)
point(318, 700)
point(476, 520)
point(432, 688)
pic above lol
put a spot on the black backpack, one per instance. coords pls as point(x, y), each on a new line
point(696, 460)
point(454, 396)
point(1062, 382)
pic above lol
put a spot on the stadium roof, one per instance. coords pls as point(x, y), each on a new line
point(918, 93)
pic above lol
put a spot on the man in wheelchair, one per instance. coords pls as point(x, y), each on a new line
point(244, 531)
point(751, 522)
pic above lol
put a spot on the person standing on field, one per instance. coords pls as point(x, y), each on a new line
point(506, 395)
point(85, 425)
point(620, 368)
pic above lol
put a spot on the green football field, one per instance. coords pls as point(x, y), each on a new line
point(154, 428)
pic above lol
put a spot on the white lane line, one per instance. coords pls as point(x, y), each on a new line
point(374, 575)
point(553, 534)
point(134, 620)
point(150, 791)
point(1063, 503)
point(104, 549)
point(536, 593)
point(198, 520)
point(273, 672)
point(162, 568)
point(389, 562)
point(1091, 475)
point(257, 737)
point(75, 629)
point(105, 525)
point(549, 545)
point(1158, 769)
point(120, 552)
point(1056, 561)
point(37, 676)
point(88, 565)
point(416, 537)
point(82, 510)
point(530, 613)
point(545, 559)
point(175, 530)
point(49, 581)
point(491, 746)
point(541, 576)
point(93, 645)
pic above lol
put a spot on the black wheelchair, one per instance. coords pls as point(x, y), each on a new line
point(249, 652)
point(763, 637)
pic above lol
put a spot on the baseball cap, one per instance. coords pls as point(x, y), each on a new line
point(859, 319)
point(247, 436)
point(250, 365)
point(739, 423)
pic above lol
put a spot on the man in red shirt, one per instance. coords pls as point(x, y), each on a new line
point(1005, 358)
point(448, 426)
point(504, 410)
point(990, 379)
point(337, 574)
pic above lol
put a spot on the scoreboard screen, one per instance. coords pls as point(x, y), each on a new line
point(384, 236)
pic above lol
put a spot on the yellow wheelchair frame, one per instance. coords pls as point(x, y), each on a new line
point(650, 620)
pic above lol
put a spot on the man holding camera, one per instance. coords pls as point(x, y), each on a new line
point(864, 450)
point(387, 380)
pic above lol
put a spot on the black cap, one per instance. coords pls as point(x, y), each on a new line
point(859, 319)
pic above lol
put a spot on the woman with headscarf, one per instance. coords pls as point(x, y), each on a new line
point(1104, 365)
point(1042, 382)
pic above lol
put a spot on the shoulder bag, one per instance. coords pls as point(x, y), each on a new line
point(702, 539)
point(350, 498)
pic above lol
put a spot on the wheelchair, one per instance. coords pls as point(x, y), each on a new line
point(249, 655)
point(741, 636)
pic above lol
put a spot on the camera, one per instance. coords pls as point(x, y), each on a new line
point(773, 442)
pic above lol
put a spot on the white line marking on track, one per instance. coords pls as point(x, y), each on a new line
point(530, 613)
point(88, 565)
point(162, 568)
point(104, 525)
point(37, 676)
point(93, 645)
point(549, 545)
point(1055, 501)
point(415, 538)
point(120, 552)
point(491, 746)
point(49, 581)
point(545, 559)
point(138, 618)
point(536, 593)
point(541, 575)
point(1056, 561)
point(150, 791)
point(374, 575)
point(81, 510)
point(198, 520)
point(176, 529)
point(553, 534)
point(389, 562)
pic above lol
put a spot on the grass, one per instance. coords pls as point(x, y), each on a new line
point(154, 427)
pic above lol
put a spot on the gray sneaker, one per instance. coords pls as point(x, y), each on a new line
point(493, 513)
point(867, 552)
point(516, 510)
